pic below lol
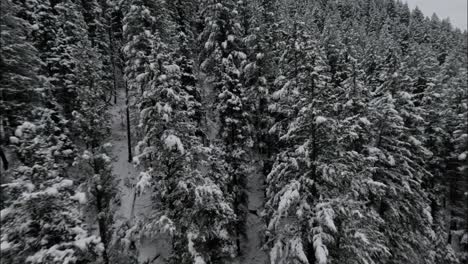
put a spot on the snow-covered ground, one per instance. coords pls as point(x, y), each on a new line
point(255, 226)
point(131, 207)
point(125, 172)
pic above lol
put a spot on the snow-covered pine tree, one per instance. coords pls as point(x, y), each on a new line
point(222, 60)
point(91, 122)
point(259, 72)
point(43, 31)
point(183, 46)
point(97, 17)
point(357, 238)
point(399, 158)
point(143, 27)
point(19, 66)
point(41, 220)
point(454, 89)
point(70, 30)
point(299, 225)
point(165, 151)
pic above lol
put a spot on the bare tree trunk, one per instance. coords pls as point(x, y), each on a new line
point(102, 225)
point(4, 159)
point(132, 212)
point(129, 136)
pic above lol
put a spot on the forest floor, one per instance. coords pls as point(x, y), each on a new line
point(251, 248)
point(131, 207)
point(125, 172)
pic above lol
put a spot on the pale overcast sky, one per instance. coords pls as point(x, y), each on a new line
point(456, 10)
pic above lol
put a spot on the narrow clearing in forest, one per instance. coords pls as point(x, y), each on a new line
point(131, 207)
point(255, 226)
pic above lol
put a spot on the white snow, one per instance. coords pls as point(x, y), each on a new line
point(462, 156)
point(64, 183)
point(141, 77)
point(405, 95)
point(49, 191)
point(365, 121)
point(172, 141)
point(362, 237)
point(297, 249)
point(86, 155)
point(320, 120)
point(82, 241)
point(321, 252)
point(4, 213)
point(328, 218)
point(276, 252)
point(191, 248)
point(427, 213)
point(24, 127)
point(80, 197)
point(376, 183)
point(67, 152)
point(289, 197)
point(172, 69)
point(5, 245)
point(391, 160)
point(144, 182)
point(415, 141)
point(14, 140)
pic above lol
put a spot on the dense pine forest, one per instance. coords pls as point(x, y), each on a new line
point(232, 132)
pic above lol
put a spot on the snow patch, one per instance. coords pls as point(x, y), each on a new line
point(172, 69)
point(67, 152)
point(4, 213)
point(362, 237)
point(172, 141)
point(427, 213)
point(26, 126)
point(289, 197)
point(64, 184)
point(144, 182)
point(320, 120)
point(4, 246)
point(365, 121)
point(321, 252)
point(462, 156)
point(415, 141)
point(376, 183)
point(14, 140)
point(80, 197)
point(196, 256)
point(298, 250)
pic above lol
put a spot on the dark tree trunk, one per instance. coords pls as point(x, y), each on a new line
point(102, 225)
point(4, 159)
point(129, 136)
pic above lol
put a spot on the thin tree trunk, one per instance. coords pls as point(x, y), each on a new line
point(4, 159)
point(132, 212)
point(102, 226)
point(129, 136)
